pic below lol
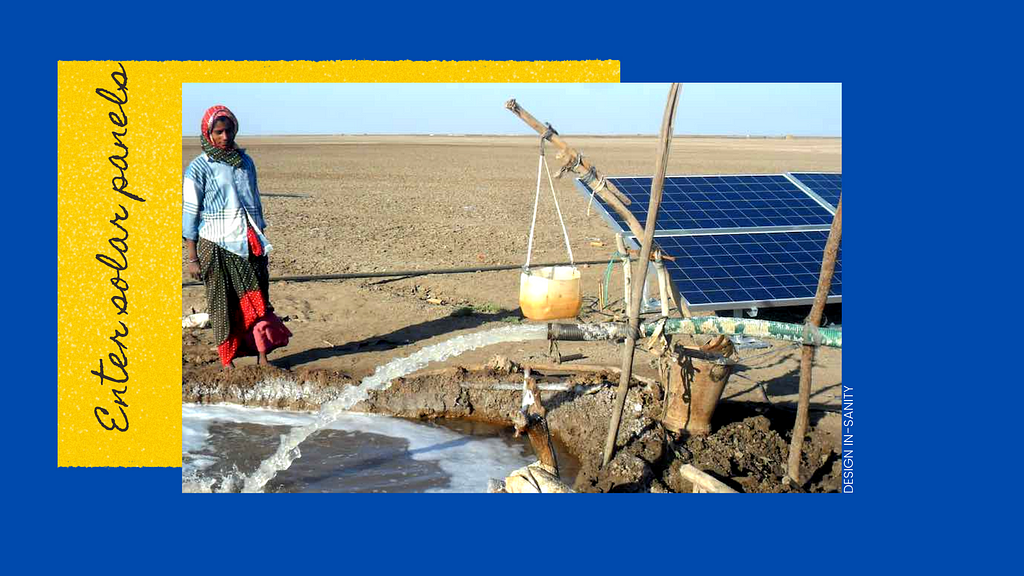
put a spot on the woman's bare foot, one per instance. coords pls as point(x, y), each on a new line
point(262, 359)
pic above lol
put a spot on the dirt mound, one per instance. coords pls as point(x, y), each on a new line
point(263, 386)
point(748, 455)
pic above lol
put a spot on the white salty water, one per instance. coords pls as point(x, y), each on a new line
point(288, 450)
point(370, 453)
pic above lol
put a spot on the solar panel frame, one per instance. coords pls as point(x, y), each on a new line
point(821, 186)
point(721, 202)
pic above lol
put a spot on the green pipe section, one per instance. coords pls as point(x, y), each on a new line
point(748, 327)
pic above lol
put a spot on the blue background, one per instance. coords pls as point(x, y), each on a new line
point(131, 519)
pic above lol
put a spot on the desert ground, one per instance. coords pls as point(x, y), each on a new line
point(395, 203)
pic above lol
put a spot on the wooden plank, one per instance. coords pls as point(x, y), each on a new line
point(704, 482)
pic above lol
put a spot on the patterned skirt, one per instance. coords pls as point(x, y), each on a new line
point(237, 293)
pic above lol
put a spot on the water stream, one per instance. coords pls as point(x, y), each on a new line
point(358, 453)
point(288, 450)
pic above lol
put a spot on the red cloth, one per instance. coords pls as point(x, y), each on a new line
point(228, 349)
point(212, 115)
point(254, 241)
point(252, 317)
point(268, 334)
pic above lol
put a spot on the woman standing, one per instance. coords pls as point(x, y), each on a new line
point(222, 224)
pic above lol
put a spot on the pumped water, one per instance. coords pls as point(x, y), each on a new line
point(357, 453)
point(288, 450)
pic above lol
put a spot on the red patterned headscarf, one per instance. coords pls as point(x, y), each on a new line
point(227, 155)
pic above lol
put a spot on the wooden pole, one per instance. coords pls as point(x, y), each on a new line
point(531, 419)
point(610, 194)
point(540, 436)
point(657, 187)
point(828, 265)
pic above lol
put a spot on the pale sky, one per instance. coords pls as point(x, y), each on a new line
point(721, 109)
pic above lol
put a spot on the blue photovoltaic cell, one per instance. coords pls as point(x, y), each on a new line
point(828, 186)
point(703, 202)
point(719, 270)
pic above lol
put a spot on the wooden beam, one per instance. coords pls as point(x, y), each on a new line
point(610, 194)
point(654, 257)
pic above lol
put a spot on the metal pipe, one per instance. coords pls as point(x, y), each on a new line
point(411, 273)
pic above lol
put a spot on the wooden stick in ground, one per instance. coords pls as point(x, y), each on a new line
point(828, 265)
point(662, 282)
point(677, 298)
point(657, 187)
point(534, 423)
point(609, 193)
point(626, 272)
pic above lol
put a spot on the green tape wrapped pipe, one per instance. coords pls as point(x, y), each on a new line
point(700, 325)
point(748, 327)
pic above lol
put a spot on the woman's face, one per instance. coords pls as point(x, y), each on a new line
point(222, 135)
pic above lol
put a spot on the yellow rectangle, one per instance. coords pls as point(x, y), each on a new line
point(118, 235)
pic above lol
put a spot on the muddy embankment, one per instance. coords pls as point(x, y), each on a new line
point(747, 450)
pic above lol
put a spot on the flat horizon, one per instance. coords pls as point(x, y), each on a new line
point(568, 134)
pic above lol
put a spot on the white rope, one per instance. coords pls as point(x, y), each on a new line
point(594, 192)
point(536, 201)
point(565, 233)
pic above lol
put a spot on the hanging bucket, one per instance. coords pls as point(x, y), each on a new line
point(550, 293)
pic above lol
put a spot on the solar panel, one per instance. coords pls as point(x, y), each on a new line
point(716, 202)
point(728, 271)
point(739, 240)
point(828, 186)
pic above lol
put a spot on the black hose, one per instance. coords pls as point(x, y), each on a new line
point(558, 331)
point(588, 332)
point(354, 275)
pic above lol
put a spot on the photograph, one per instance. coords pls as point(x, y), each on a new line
point(511, 288)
